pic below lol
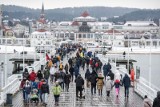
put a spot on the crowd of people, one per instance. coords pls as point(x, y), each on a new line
point(98, 76)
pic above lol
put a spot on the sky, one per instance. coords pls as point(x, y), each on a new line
point(51, 4)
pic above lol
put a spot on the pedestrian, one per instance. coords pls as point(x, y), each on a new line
point(71, 70)
point(61, 78)
point(39, 75)
point(66, 67)
point(117, 76)
point(46, 74)
point(26, 74)
point(105, 72)
point(93, 80)
point(126, 82)
point(52, 72)
point(117, 86)
point(22, 86)
point(87, 76)
point(76, 71)
point(67, 81)
point(111, 74)
point(79, 85)
point(32, 76)
point(45, 92)
point(147, 102)
point(56, 92)
point(27, 89)
point(124, 54)
point(108, 86)
point(156, 102)
point(100, 83)
point(132, 73)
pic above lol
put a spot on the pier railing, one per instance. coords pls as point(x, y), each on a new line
point(10, 88)
point(141, 85)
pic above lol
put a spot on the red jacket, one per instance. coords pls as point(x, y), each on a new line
point(40, 84)
point(32, 76)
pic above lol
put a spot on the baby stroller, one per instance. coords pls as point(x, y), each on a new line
point(34, 97)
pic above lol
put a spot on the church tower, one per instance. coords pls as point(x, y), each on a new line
point(41, 22)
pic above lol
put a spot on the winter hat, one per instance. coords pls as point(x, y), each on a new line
point(108, 77)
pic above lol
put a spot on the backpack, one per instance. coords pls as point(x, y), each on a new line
point(96, 64)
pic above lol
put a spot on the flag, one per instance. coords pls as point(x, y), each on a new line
point(47, 57)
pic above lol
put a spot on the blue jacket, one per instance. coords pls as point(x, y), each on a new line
point(76, 70)
point(126, 81)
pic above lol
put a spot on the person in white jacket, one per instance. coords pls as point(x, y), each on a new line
point(52, 72)
point(108, 86)
point(117, 75)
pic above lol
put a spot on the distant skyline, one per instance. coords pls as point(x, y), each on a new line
point(51, 4)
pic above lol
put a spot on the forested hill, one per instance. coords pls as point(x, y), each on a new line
point(60, 14)
point(145, 14)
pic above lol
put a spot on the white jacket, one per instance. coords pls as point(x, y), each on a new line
point(52, 70)
point(117, 75)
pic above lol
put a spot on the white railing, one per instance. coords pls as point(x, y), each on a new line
point(143, 89)
point(141, 85)
point(11, 88)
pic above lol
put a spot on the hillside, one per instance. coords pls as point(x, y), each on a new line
point(145, 14)
point(60, 14)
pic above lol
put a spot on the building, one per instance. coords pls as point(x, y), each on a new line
point(42, 39)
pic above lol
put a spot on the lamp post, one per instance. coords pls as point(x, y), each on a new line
point(150, 59)
point(128, 51)
point(2, 74)
point(23, 53)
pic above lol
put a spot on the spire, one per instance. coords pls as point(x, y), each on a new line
point(42, 11)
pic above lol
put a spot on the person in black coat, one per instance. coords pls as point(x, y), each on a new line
point(39, 75)
point(67, 80)
point(111, 74)
point(87, 76)
point(126, 82)
point(71, 70)
point(45, 92)
point(26, 74)
point(156, 102)
point(79, 85)
point(93, 80)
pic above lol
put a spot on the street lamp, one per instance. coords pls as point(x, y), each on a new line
point(127, 34)
point(150, 60)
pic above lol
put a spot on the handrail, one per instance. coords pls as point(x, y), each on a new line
point(12, 88)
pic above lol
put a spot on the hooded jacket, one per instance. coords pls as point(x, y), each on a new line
point(156, 102)
point(126, 81)
point(108, 84)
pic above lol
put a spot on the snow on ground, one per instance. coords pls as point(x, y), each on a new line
point(10, 49)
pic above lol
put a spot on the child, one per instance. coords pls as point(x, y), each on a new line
point(117, 86)
point(100, 83)
point(34, 96)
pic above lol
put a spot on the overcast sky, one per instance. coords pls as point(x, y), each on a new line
point(50, 4)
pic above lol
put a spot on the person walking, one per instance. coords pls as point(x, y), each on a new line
point(52, 72)
point(56, 92)
point(39, 75)
point(93, 80)
point(26, 74)
point(27, 89)
point(100, 83)
point(126, 82)
point(22, 86)
point(32, 76)
point(45, 92)
point(79, 85)
point(105, 72)
point(71, 70)
point(67, 80)
point(76, 71)
point(66, 67)
point(108, 86)
point(87, 76)
point(156, 102)
point(146, 102)
point(117, 86)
